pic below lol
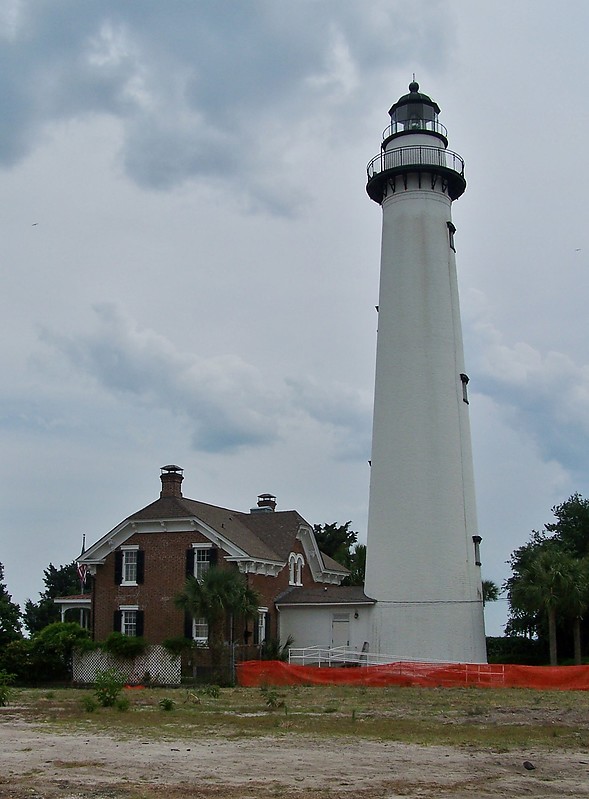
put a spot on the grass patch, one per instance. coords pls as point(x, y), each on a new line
point(479, 717)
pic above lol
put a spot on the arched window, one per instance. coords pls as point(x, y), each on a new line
point(291, 568)
point(295, 569)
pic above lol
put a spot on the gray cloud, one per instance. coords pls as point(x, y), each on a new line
point(228, 402)
point(216, 90)
point(544, 393)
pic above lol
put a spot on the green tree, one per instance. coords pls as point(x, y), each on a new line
point(219, 596)
point(62, 581)
point(545, 586)
point(491, 591)
point(357, 566)
point(571, 528)
point(335, 540)
point(10, 614)
point(568, 536)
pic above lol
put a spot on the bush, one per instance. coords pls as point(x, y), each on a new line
point(17, 658)
point(122, 704)
point(211, 690)
point(6, 681)
point(89, 704)
point(178, 645)
point(53, 647)
point(516, 649)
point(272, 649)
point(166, 703)
point(126, 646)
point(107, 687)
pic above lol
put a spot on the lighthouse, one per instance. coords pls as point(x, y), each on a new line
point(423, 547)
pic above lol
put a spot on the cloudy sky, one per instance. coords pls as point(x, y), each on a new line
point(190, 261)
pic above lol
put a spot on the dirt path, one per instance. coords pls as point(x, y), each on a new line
point(36, 763)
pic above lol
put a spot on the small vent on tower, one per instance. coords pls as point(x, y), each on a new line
point(266, 504)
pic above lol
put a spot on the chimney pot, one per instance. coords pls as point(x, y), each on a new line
point(266, 501)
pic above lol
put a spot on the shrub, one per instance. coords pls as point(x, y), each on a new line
point(166, 703)
point(211, 690)
point(516, 649)
point(126, 646)
point(6, 681)
point(272, 697)
point(17, 658)
point(107, 687)
point(178, 645)
point(272, 649)
point(122, 704)
point(89, 704)
point(52, 649)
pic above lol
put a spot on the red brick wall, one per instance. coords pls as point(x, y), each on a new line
point(165, 573)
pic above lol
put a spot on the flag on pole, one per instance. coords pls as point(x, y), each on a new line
point(82, 568)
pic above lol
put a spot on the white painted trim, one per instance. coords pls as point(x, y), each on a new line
point(98, 552)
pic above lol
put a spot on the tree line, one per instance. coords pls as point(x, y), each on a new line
point(548, 591)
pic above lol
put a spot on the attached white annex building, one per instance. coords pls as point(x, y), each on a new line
point(423, 562)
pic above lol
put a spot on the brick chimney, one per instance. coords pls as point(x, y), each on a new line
point(171, 477)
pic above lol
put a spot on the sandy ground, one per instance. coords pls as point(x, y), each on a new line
point(36, 763)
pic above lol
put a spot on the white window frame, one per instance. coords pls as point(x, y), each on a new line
point(200, 630)
point(261, 622)
point(129, 564)
point(295, 568)
point(201, 566)
point(129, 619)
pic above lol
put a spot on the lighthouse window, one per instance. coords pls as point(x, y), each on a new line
point(464, 379)
point(451, 232)
point(476, 540)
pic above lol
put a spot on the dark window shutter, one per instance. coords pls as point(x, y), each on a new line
point(118, 568)
point(213, 556)
point(139, 618)
point(140, 567)
point(187, 625)
point(267, 624)
point(117, 620)
point(256, 632)
point(190, 562)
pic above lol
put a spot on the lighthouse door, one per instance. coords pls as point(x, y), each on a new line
point(340, 629)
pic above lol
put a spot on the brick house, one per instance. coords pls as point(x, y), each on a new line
point(138, 568)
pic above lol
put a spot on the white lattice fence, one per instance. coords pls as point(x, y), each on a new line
point(156, 665)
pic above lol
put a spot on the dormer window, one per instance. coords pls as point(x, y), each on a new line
point(295, 569)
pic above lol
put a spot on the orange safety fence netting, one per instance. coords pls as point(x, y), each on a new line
point(255, 673)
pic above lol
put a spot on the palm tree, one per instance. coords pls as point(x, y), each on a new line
point(219, 594)
point(577, 599)
point(490, 591)
point(545, 586)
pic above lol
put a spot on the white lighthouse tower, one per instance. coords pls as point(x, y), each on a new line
point(423, 562)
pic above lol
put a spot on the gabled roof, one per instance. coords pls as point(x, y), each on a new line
point(266, 536)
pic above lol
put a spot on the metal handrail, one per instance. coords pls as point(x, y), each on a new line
point(429, 125)
point(319, 655)
point(416, 155)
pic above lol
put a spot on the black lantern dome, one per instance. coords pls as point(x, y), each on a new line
point(416, 113)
